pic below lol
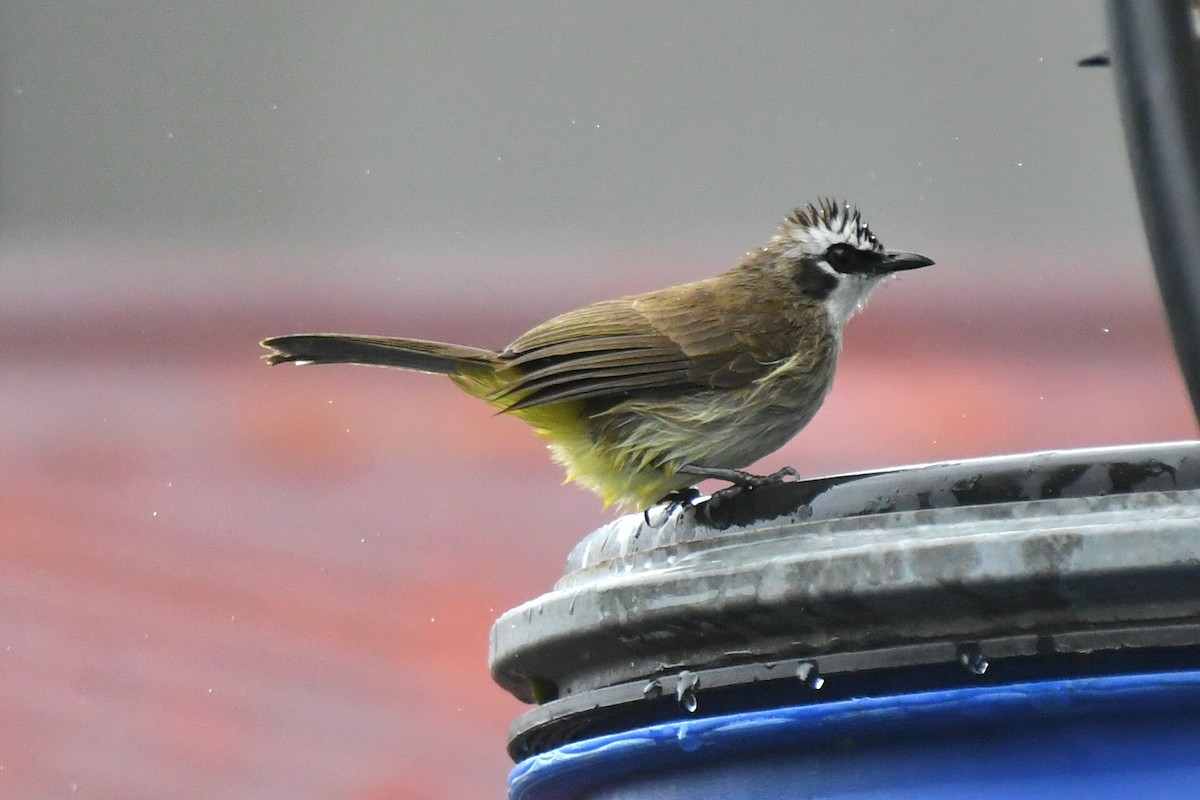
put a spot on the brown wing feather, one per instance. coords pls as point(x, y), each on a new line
point(555, 372)
point(678, 339)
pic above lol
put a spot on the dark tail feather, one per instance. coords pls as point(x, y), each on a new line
point(382, 351)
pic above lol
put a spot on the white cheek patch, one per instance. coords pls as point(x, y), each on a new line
point(829, 270)
point(850, 295)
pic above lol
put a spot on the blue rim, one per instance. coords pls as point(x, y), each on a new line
point(577, 767)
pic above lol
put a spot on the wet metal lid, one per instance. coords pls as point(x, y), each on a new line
point(883, 579)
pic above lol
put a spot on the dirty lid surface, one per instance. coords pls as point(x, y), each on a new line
point(950, 563)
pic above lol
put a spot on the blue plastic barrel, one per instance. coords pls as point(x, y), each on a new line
point(1128, 736)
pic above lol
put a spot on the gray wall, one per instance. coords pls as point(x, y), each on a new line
point(490, 131)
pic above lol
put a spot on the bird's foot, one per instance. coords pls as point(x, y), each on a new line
point(740, 479)
point(748, 482)
point(680, 498)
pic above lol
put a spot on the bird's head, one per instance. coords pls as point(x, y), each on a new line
point(831, 255)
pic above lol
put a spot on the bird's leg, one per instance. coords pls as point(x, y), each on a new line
point(739, 478)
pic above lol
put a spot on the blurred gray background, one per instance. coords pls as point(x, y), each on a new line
point(444, 146)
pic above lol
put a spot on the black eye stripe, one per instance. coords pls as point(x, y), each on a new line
point(852, 261)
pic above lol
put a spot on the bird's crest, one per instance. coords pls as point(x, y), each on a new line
point(816, 227)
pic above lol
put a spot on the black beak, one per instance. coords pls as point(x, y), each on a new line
point(896, 261)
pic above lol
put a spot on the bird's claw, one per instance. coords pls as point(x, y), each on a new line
point(778, 476)
point(741, 482)
point(739, 478)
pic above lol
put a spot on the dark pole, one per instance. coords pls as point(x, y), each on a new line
point(1156, 63)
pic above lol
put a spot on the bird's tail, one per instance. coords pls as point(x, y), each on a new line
point(381, 351)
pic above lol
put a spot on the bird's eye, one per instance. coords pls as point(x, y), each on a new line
point(841, 257)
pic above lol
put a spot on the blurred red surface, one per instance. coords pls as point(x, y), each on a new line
point(223, 580)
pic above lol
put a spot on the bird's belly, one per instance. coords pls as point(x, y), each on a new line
point(738, 436)
point(631, 452)
point(728, 428)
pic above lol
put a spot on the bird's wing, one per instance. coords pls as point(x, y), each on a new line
point(676, 340)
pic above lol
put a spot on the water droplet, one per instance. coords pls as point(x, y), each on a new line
point(685, 691)
point(971, 658)
point(807, 672)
